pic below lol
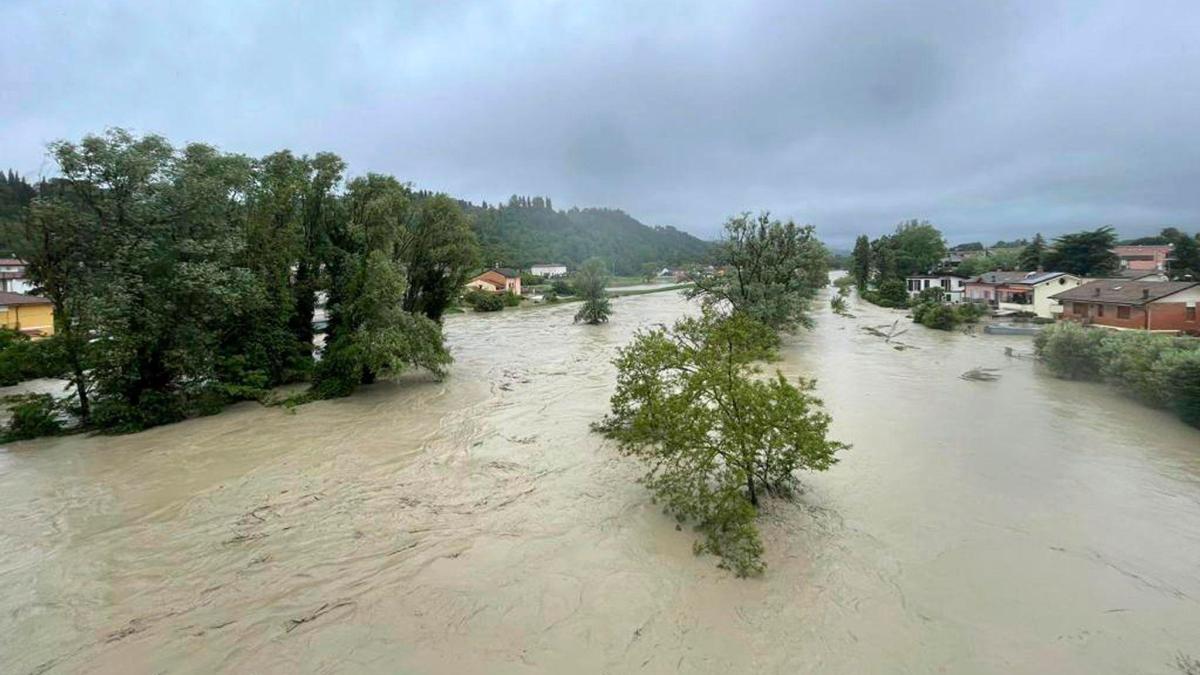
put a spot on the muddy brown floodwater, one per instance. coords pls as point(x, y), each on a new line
point(475, 525)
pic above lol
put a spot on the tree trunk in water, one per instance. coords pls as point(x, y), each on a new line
point(753, 493)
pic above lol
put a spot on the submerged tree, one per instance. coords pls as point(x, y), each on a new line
point(438, 251)
point(774, 271)
point(590, 283)
point(370, 333)
point(716, 437)
point(860, 266)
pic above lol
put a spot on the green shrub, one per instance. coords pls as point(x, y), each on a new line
point(1182, 374)
point(482, 301)
point(24, 359)
point(945, 316)
point(563, 287)
point(1070, 350)
point(33, 416)
point(511, 299)
point(1130, 361)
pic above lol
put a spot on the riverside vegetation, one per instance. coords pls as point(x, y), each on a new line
point(184, 279)
point(715, 437)
point(1158, 370)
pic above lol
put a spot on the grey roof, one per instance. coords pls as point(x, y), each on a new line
point(1134, 274)
point(506, 271)
point(999, 277)
point(1034, 278)
point(1121, 292)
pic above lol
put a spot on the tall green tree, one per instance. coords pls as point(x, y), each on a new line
point(860, 266)
point(1184, 263)
point(169, 227)
point(60, 252)
point(919, 247)
point(590, 283)
point(774, 270)
point(370, 333)
point(715, 437)
point(439, 251)
point(1032, 255)
point(1087, 254)
point(322, 213)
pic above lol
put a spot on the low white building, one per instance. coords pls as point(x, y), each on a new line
point(951, 284)
point(548, 270)
point(12, 276)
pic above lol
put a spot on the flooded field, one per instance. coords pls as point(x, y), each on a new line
point(476, 525)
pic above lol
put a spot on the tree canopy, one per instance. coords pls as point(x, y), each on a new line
point(590, 283)
point(714, 436)
point(185, 278)
point(1087, 254)
point(773, 270)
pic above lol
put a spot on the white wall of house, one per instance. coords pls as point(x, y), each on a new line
point(1043, 306)
point(952, 286)
point(549, 270)
point(21, 285)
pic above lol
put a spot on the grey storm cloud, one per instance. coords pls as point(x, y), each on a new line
point(992, 119)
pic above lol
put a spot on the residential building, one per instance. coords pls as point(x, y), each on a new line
point(1156, 306)
point(13, 277)
point(1152, 257)
point(497, 280)
point(29, 314)
point(951, 283)
point(548, 270)
point(1032, 292)
point(983, 287)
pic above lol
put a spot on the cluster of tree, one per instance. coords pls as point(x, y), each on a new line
point(773, 271)
point(715, 436)
point(1159, 370)
point(15, 196)
point(879, 267)
point(591, 282)
point(523, 235)
point(931, 309)
point(186, 278)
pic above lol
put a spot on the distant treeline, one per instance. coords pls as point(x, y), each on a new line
point(527, 230)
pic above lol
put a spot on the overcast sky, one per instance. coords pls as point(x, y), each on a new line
point(992, 119)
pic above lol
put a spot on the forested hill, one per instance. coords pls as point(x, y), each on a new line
point(528, 230)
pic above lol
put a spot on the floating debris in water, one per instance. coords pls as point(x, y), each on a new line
point(981, 375)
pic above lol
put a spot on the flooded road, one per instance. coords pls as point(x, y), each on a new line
point(475, 525)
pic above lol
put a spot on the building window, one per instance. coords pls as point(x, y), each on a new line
point(1080, 308)
point(1189, 313)
point(1099, 310)
point(1122, 312)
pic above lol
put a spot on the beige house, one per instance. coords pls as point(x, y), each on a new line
point(497, 280)
point(29, 314)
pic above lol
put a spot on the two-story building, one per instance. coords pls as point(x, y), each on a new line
point(1156, 306)
point(13, 277)
point(983, 288)
point(1032, 292)
point(1149, 257)
point(951, 284)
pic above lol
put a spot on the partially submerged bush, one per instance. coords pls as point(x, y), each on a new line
point(482, 301)
point(33, 416)
point(946, 316)
point(889, 294)
point(1070, 350)
point(1158, 370)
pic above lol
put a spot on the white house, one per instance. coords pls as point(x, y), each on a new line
point(951, 284)
point(1031, 293)
point(548, 270)
point(12, 276)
